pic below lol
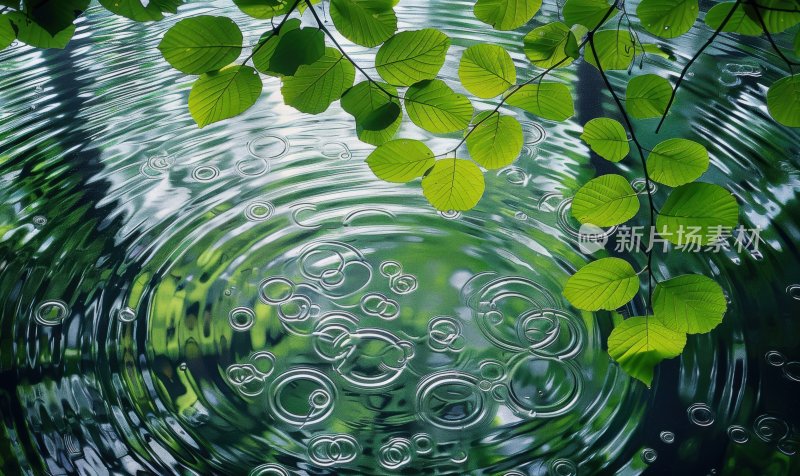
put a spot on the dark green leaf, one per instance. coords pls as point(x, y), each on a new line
point(738, 23)
point(412, 56)
point(32, 34)
point(377, 116)
point(201, 44)
point(54, 15)
point(223, 94)
point(588, 13)
point(137, 11)
point(7, 32)
point(295, 48)
point(777, 15)
point(316, 86)
point(433, 106)
point(783, 101)
point(453, 184)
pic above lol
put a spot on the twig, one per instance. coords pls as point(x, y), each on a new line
point(692, 60)
point(640, 149)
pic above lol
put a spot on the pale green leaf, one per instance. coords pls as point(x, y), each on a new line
point(738, 23)
point(695, 212)
point(32, 34)
point(668, 18)
point(453, 184)
point(223, 94)
point(7, 32)
point(433, 106)
point(140, 11)
point(676, 162)
point(201, 44)
point(783, 101)
point(653, 49)
point(615, 50)
point(777, 15)
point(607, 200)
point(547, 100)
point(607, 138)
point(378, 116)
point(551, 45)
point(314, 87)
point(691, 303)
point(496, 141)
point(607, 283)
point(487, 70)
point(412, 56)
point(401, 160)
point(647, 96)
point(506, 14)
point(638, 344)
point(266, 9)
point(364, 22)
point(588, 13)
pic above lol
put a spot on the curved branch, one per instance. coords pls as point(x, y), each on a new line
point(692, 60)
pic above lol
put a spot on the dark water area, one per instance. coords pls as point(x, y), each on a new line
point(250, 300)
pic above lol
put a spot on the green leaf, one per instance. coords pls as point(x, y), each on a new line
point(433, 106)
point(7, 32)
point(506, 14)
point(377, 116)
point(201, 44)
point(453, 184)
point(676, 162)
point(364, 22)
point(268, 43)
point(412, 56)
point(496, 141)
point(668, 18)
point(137, 11)
point(615, 50)
point(316, 86)
point(547, 100)
point(54, 15)
point(32, 34)
point(699, 207)
point(223, 94)
point(607, 200)
point(487, 70)
point(638, 344)
point(607, 138)
point(289, 50)
point(783, 101)
point(401, 160)
point(797, 44)
point(691, 303)
point(653, 49)
point(588, 13)
point(264, 9)
point(738, 23)
point(777, 15)
point(551, 45)
point(607, 283)
point(647, 96)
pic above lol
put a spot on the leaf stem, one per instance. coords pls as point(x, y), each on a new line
point(693, 59)
point(341, 50)
point(640, 149)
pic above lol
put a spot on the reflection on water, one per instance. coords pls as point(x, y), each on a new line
point(249, 299)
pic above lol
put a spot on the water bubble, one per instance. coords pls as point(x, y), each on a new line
point(450, 214)
point(205, 173)
point(268, 146)
point(241, 318)
point(423, 443)
point(738, 434)
point(649, 455)
point(793, 290)
point(700, 414)
point(640, 186)
point(275, 290)
point(330, 450)
point(563, 467)
point(51, 312)
point(126, 314)
point(444, 334)
point(459, 457)
point(376, 304)
point(403, 284)
point(667, 437)
point(521, 216)
point(300, 388)
point(259, 210)
point(451, 400)
point(39, 221)
point(770, 429)
point(269, 470)
point(183, 367)
point(788, 446)
point(337, 150)
point(252, 167)
point(390, 269)
point(775, 358)
point(534, 133)
point(395, 454)
point(792, 371)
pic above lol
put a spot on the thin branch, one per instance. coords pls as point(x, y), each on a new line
point(339, 47)
point(640, 149)
point(693, 59)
